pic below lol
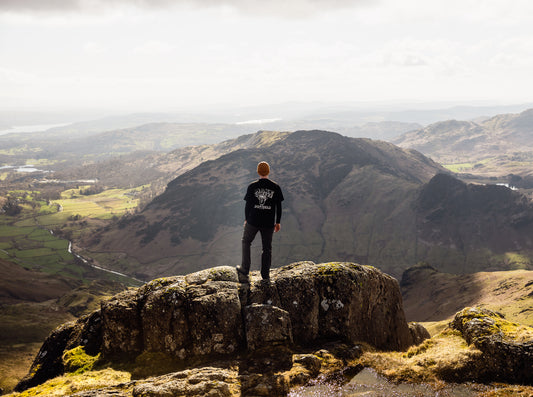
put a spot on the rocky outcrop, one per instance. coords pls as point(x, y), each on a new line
point(210, 314)
point(49, 363)
point(506, 347)
point(418, 333)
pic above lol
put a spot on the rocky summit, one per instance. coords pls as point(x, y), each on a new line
point(212, 315)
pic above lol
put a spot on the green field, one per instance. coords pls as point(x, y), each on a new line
point(27, 238)
point(461, 167)
point(105, 205)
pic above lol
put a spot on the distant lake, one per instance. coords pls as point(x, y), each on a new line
point(31, 128)
point(22, 168)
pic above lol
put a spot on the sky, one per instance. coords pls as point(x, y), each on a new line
point(165, 55)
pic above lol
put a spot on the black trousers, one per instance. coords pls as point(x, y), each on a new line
point(266, 256)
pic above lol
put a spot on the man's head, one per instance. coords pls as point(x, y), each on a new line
point(263, 169)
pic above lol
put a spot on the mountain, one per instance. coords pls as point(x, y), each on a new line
point(497, 146)
point(332, 185)
point(347, 199)
point(356, 128)
point(156, 168)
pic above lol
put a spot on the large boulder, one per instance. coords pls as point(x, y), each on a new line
point(210, 313)
point(506, 347)
point(266, 325)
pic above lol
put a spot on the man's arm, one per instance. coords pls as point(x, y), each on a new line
point(277, 226)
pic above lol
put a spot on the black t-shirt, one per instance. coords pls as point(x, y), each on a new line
point(263, 203)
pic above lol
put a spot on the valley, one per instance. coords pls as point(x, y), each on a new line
point(162, 199)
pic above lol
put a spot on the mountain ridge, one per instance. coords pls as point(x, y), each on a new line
point(350, 199)
point(497, 146)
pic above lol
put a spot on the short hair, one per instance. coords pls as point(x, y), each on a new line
point(263, 168)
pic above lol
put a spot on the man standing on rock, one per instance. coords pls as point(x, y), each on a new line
point(262, 214)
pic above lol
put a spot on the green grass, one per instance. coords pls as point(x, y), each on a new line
point(460, 167)
point(25, 239)
point(105, 205)
point(31, 253)
point(517, 261)
point(24, 242)
point(11, 231)
point(57, 244)
point(4, 245)
point(77, 361)
point(41, 235)
point(72, 383)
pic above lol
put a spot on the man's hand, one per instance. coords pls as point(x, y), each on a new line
point(277, 227)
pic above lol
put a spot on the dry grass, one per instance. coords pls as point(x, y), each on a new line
point(439, 356)
point(15, 361)
point(436, 297)
point(69, 384)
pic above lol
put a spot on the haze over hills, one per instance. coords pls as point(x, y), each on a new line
point(346, 199)
point(344, 114)
point(110, 136)
point(498, 146)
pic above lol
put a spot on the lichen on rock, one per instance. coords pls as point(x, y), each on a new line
point(506, 347)
point(209, 314)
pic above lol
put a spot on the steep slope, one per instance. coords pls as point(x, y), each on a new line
point(430, 295)
point(18, 284)
point(347, 199)
point(465, 228)
point(498, 146)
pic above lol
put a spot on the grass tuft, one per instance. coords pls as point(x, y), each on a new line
point(77, 361)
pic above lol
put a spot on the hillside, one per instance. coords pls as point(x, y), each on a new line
point(348, 199)
point(430, 295)
point(32, 304)
point(497, 146)
point(18, 284)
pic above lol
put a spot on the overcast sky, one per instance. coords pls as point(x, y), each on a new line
point(170, 55)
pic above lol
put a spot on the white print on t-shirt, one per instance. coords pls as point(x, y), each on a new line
point(262, 195)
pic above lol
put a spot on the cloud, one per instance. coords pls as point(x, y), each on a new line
point(153, 48)
point(10, 76)
point(292, 8)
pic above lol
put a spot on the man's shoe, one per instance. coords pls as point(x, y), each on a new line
point(241, 270)
point(243, 277)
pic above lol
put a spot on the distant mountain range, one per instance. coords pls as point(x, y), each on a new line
point(347, 199)
point(497, 146)
point(104, 138)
